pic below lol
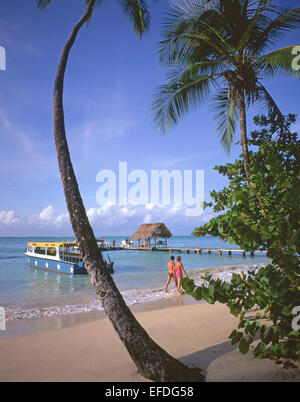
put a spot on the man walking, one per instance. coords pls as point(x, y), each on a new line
point(171, 273)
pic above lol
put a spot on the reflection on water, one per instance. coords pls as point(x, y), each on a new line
point(51, 288)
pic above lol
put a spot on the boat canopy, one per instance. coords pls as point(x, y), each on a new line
point(50, 244)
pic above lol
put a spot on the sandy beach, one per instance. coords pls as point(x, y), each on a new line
point(197, 334)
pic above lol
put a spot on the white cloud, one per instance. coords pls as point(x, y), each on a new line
point(9, 218)
point(47, 213)
point(108, 219)
point(147, 218)
point(48, 216)
point(110, 215)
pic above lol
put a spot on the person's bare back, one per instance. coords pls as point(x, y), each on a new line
point(171, 273)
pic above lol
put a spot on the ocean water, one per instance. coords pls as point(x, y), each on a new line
point(140, 275)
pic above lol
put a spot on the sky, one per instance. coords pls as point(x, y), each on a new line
point(110, 81)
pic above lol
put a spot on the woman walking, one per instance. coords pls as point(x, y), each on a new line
point(178, 272)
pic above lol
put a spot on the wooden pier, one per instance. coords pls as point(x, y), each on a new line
point(188, 250)
point(149, 233)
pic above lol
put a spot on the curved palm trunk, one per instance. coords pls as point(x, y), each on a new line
point(151, 360)
point(244, 134)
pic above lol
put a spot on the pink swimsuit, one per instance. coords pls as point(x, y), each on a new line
point(178, 268)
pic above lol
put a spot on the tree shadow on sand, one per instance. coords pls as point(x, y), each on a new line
point(231, 365)
point(206, 356)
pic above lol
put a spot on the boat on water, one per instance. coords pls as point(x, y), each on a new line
point(59, 257)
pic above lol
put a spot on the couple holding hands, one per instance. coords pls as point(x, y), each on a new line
point(175, 272)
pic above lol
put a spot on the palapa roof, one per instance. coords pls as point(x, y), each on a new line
point(152, 230)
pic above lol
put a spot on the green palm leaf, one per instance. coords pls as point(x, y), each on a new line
point(204, 41)
point(173, 100)
point(264, 98)
point(225, 112)
point(286, 20)
point(279, 61)
point(244, 40)
point(43, 3)
point(213, 37)
point(138, 13)
point(183, 20)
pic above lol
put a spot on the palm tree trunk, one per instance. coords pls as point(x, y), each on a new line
point(244, 134)
point(151, 360)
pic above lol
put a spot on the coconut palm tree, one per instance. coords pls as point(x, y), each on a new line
point(150, 359)
point(216, 50)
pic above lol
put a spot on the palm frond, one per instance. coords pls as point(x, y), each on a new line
point(182, 19)
point(189, 71)
point(226, 113)
point(138, 13)
point(189, 11)
point(286, 20)
point(214, 39)
point(201, 43)
point(173, 100)
point(279, 61)
point(43, 3)
point(264, 98)
point(243, 42)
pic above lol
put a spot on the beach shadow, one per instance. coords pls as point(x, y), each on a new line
point(225, 363)
point(203, 358)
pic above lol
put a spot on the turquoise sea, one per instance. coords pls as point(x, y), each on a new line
point(140, 275)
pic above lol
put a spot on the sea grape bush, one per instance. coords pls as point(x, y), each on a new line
point(261, 214)
point(268, 290)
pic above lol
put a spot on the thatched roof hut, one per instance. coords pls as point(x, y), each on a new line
point(149, 231)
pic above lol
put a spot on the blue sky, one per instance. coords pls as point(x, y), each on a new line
point(110, 81)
